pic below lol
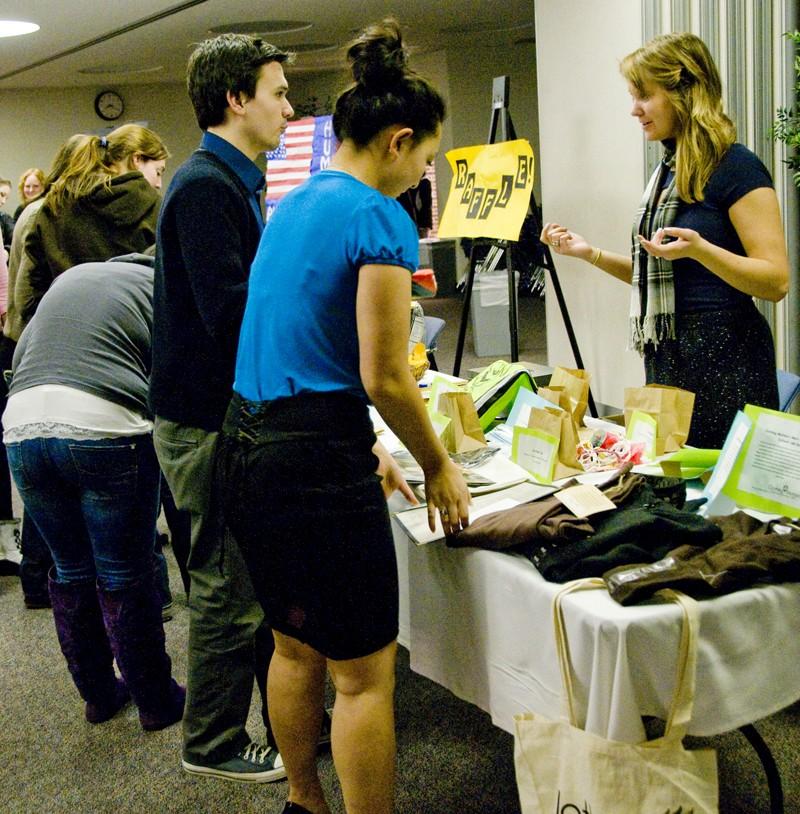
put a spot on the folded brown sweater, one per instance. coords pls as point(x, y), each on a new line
point(543, 519)
point(750, 551)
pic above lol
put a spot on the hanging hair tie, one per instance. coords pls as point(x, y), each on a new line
point(103, 142)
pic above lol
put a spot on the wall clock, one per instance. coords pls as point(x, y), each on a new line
point(108, 105)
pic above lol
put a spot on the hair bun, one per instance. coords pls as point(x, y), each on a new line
point(377, 56)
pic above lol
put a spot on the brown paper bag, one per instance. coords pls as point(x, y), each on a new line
point(576, 385)
point(464, 432)
point(556, 395)
point(670, 406)
point(560, 424)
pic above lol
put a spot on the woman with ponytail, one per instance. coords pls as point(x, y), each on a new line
point(105, 203)
point(707, 238)
point(324, 334)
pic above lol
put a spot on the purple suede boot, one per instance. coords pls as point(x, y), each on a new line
point(83, 640)
point(132, 618)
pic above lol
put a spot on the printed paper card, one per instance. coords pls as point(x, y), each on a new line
point(643, 428)
point(584, 500)
point(766, 473)
point(535, 451)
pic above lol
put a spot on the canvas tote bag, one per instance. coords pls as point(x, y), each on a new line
point(563, 770)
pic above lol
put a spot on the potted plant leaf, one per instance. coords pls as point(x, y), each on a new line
point(787, 121)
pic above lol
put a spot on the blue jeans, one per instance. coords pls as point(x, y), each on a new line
point(95, 503)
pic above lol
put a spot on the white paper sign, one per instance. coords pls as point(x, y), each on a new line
point(771, 468)
point(535, 451)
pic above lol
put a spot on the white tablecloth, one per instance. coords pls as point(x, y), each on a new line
point(480, 624)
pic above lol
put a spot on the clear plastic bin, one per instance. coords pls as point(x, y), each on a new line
point(489, 310)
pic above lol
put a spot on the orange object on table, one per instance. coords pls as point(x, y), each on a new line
point(424, 279)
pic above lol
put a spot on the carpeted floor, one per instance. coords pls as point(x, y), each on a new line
point(451, 759)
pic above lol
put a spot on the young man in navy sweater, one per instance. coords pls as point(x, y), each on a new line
point(208, 233)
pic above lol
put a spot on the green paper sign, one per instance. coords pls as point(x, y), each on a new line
point(766, 473)
point(535, 450)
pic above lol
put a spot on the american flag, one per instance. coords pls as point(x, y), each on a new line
point(307, 146)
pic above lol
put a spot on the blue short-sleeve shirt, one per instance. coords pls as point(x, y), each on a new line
point(299, 330)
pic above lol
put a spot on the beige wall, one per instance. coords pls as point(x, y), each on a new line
point(472, 70)
point(33, 123)
point(591, 172)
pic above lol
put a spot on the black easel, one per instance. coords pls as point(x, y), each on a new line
point(502, 117)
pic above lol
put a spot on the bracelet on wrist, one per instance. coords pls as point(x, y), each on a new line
point(596, 259)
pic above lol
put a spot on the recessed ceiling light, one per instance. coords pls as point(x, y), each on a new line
point(262, 27)
point(14, 28)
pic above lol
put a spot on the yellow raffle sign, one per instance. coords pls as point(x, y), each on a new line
point(490, 192)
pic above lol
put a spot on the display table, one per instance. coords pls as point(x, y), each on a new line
point(480, 623)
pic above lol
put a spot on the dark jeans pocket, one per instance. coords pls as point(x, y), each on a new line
point(109, 471)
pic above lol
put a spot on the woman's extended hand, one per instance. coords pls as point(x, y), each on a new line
point(672, 243)
point(565, 242)
point(446, 490)
point(392, 478)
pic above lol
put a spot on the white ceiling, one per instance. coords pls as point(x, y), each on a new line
point(78, 36)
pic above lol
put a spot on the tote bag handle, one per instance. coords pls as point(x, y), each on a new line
point(680, 713)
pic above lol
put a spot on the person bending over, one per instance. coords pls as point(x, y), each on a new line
point(325, 332)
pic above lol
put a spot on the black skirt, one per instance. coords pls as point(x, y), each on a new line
point(727, 359)
point(299, 492)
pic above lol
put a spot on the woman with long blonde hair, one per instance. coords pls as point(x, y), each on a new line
point(104, 204)
point(707, 238)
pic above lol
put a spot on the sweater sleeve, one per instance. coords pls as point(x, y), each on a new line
point(211, 242)
point(35, 275)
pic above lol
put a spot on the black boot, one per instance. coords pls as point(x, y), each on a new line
point(132, 619)
point(83, 640)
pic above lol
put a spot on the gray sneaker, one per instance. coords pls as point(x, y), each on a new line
point(254, 764)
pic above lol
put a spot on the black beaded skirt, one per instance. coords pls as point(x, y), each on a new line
point(727, 359)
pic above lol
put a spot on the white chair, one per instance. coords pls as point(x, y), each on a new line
point(788, 389)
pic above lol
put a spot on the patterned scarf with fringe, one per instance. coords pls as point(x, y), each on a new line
point(652, 314)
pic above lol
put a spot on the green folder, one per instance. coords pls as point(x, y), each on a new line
point(495, 388)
